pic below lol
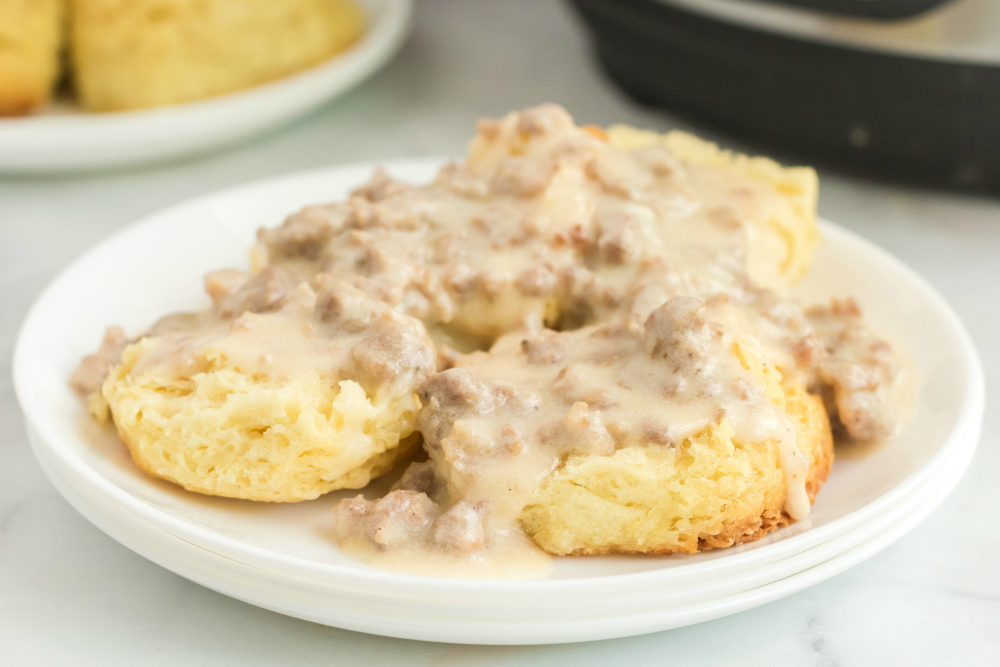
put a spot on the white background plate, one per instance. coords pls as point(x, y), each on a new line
point(156, 266)
point(68, 138)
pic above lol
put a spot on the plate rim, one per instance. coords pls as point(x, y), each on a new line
point(969, 412)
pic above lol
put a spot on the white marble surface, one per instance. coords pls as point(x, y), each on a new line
point(69, 595)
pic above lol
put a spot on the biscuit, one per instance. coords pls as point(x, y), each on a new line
point(782, 250)
point(709, 492)
point(31, 35)
point(273, 404)
point(679, 436)
point(135, 54)
point(225, 433)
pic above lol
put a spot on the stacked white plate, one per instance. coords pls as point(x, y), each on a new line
point(283, 557)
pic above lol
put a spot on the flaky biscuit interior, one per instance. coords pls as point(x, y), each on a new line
point(711, 491)
point(225, 432)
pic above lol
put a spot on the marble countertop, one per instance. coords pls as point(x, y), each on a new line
point(71, 595)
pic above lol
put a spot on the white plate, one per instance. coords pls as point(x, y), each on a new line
point(67, 138)
point(153, 267)
point(309, 600)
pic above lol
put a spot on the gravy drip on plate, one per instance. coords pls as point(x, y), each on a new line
point(614, 290)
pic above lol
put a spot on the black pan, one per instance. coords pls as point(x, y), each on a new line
point(906, 118)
